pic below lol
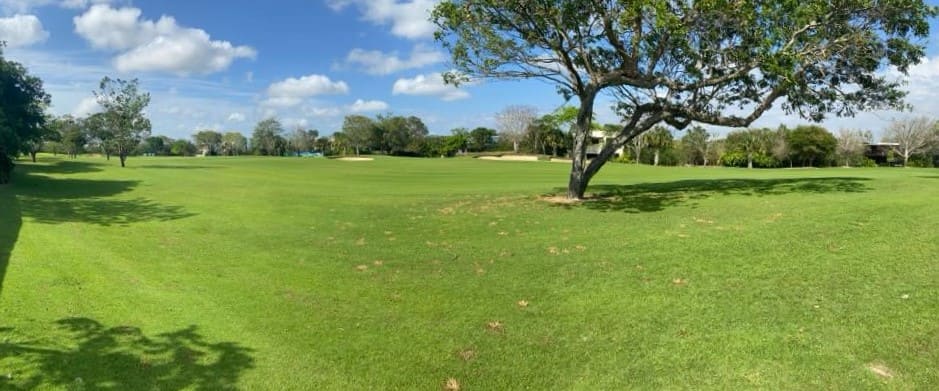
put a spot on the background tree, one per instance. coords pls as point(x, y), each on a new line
point(209, 141)
point(266, 135)
point(99, 132)
point(659, 139)
point(696, 142)
point(234, 144)
point(751, 143)
point(182, 148)
point(812, 145)
point(781, 150)
point(482, 139)
point(301, 140)
point(513, 121)
point(680, 62)
point(636, 145)
point(22, 113)
point(357, 132)
point(460, 139)
point(155, 145)
point(124, 106)
point(912, 134)
point(72, 135)
point(851, 143)
point(47, 134)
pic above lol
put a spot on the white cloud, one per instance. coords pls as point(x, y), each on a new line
point(22, 30)
point(82, 4)
point(409, 19)
point(378, 63)
point(428, 85)
point(236, 117)
point(161, 45)
point(293, 91)
point(86, 107)
point(361, 106)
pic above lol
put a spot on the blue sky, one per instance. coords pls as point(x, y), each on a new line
point(226, 65)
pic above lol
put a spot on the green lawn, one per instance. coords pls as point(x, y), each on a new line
point(305, 274)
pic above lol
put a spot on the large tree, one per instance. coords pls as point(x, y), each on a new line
point(124, 113)
point(913, 135)
point(812, 145)
point(751, 142)
point(659, 139)
point(301, 140)
point(718, 62)
point(72, 134)
point(22, 119)
point(697, 142)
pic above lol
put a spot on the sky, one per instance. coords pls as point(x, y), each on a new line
point(227, 65)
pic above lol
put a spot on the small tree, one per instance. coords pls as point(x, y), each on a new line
point(234, 143)
point(513, 121)
point(659, 139)
point(266, 135)
point(209, 141)
point(696, 143)
point(124, 106)
point(812, 145)
point(302, 140)
point(851, 145)
point(481, 139)
point(750, 142)
point(357, 132)
point(913, 136)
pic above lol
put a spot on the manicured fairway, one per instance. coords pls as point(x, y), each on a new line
point(308, 274)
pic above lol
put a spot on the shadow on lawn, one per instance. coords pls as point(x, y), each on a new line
point(95, 356)
point(173, 167)
point(653, 197)
point(50, 200)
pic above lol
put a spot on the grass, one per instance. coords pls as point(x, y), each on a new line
point(259, 273)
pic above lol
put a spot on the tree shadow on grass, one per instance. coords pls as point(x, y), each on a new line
point(62, 167)
point(930, 176)
point(173, 167)
point(94, 356)
point(48, 200)
point(654, 197)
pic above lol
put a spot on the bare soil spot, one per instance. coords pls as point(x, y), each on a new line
point(466, 354)
point(559, 200)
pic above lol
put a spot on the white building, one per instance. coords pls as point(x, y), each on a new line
point(599, 139)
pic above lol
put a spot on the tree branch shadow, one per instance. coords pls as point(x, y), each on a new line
point(48, 200)
point(94, 356)
point(654, 197)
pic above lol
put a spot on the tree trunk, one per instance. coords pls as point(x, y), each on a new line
point(655, 162)
point(750, 160)
point(906, 159)
point(123, 156)
point(32, 154)
point(6, 169)
point(579, 178)
point(515, 146)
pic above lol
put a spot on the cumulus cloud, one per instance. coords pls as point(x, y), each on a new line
point(428, 85)
point(162, 45)
point(293, 91)
point(361, 106)
point(236, 117)
point(22, 30)
point(379, 63)
point(409, 19)
point(86, 107)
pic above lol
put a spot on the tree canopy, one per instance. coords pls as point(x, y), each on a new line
point(717, 62)
point(124, 104)
point(22, 119)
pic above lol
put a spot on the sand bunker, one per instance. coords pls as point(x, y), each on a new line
point(356, 159)
point(516, 158)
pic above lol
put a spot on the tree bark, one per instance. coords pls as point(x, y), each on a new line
point(750, 160)
point(32, 154)
point(577, 185)
point(655, 161)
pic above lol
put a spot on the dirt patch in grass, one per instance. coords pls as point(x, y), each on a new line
point(559, 200)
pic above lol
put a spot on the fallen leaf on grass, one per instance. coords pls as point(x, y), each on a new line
point(880, 370)
point(680, 281)
point(378, 263)
point(466, 354)
point(522, 303)
point(495, 326)
point(361, 268)
point(360, 242)
point(451, 385)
